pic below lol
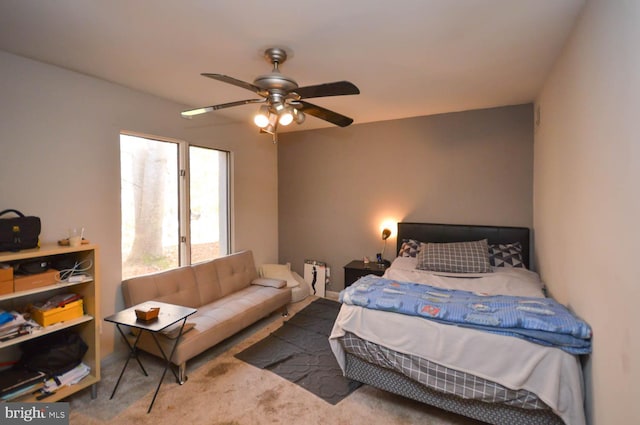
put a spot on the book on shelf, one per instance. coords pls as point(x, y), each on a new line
point(18, 378)
point(28, 391)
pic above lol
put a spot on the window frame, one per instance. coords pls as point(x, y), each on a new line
point(184, 195)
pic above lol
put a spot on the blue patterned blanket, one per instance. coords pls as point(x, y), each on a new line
point(540, 320)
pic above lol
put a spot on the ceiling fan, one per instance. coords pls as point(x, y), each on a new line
point(282, 98)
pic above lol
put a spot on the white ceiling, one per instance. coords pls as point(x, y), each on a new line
point(408, 57)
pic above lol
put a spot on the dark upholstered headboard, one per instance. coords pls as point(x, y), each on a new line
point(432, 232)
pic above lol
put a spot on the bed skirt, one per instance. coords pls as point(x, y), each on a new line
point(493, 413)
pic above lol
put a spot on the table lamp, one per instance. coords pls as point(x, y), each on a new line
point(380, 256)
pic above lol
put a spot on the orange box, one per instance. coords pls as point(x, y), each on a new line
point(6, 274)
point(59, 314)
point(6, 287)
point(147, 314)
point(6, 281)
point(24, 283)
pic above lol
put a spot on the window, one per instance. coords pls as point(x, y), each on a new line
point(208, 188)
point(174, 204)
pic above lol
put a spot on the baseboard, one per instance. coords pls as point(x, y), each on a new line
point(331, 295)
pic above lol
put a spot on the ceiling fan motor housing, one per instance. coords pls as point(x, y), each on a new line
point(275, 81)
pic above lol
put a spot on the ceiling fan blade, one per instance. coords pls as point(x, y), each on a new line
point(339, 88)
point(193, 112)
point(322, 113)
point(236, 82)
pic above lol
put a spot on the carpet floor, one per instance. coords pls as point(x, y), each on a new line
point(223, 390)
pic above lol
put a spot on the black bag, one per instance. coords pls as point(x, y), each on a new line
point(54, 354)
point(20, 232)
point(32, 266)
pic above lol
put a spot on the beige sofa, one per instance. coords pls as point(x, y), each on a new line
point(227, 293)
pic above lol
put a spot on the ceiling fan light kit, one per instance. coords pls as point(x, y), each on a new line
point(282, 98)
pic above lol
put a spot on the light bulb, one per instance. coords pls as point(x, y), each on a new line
point(286, 118)
point(261, 119)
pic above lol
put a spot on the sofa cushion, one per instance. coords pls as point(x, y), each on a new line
point(249, 304)
point(207, 281)
point(235, 271)
point(176, 286)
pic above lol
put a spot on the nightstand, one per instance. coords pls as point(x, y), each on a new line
point(356, 269)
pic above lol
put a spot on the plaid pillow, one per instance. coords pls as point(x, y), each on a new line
point(409, 248)
point(506, 255)
point(455, 257)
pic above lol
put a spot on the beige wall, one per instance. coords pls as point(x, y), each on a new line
point(337, 185)
point(587, 199)
point(59, 159)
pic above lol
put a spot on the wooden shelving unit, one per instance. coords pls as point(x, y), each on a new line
point(87, 326)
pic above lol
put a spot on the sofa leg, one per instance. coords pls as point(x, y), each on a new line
point(182, 373)
point(285, 312)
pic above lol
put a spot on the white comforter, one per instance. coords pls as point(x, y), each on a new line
point(552, 374)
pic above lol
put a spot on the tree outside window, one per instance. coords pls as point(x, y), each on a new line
point(172, 215)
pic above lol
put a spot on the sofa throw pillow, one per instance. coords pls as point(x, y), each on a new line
point(273, 283)
point(506, 255)
point(172, 331)
point(455, 257)
point(409, 248)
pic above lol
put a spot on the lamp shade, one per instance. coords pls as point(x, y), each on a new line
point(385, 234)
point(299, 116)
point(261, 119)
point(286, 118)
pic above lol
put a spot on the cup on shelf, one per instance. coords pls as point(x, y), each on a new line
point(75, 236)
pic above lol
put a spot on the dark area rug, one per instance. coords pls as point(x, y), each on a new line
point(299, 351)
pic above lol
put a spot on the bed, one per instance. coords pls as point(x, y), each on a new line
point(491, 377)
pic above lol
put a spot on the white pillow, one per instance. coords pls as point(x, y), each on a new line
point(279, 271)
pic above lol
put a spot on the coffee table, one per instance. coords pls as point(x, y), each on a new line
point(170, 314)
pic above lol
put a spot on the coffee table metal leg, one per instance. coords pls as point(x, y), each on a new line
point(132, 353)
point(167, 360)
